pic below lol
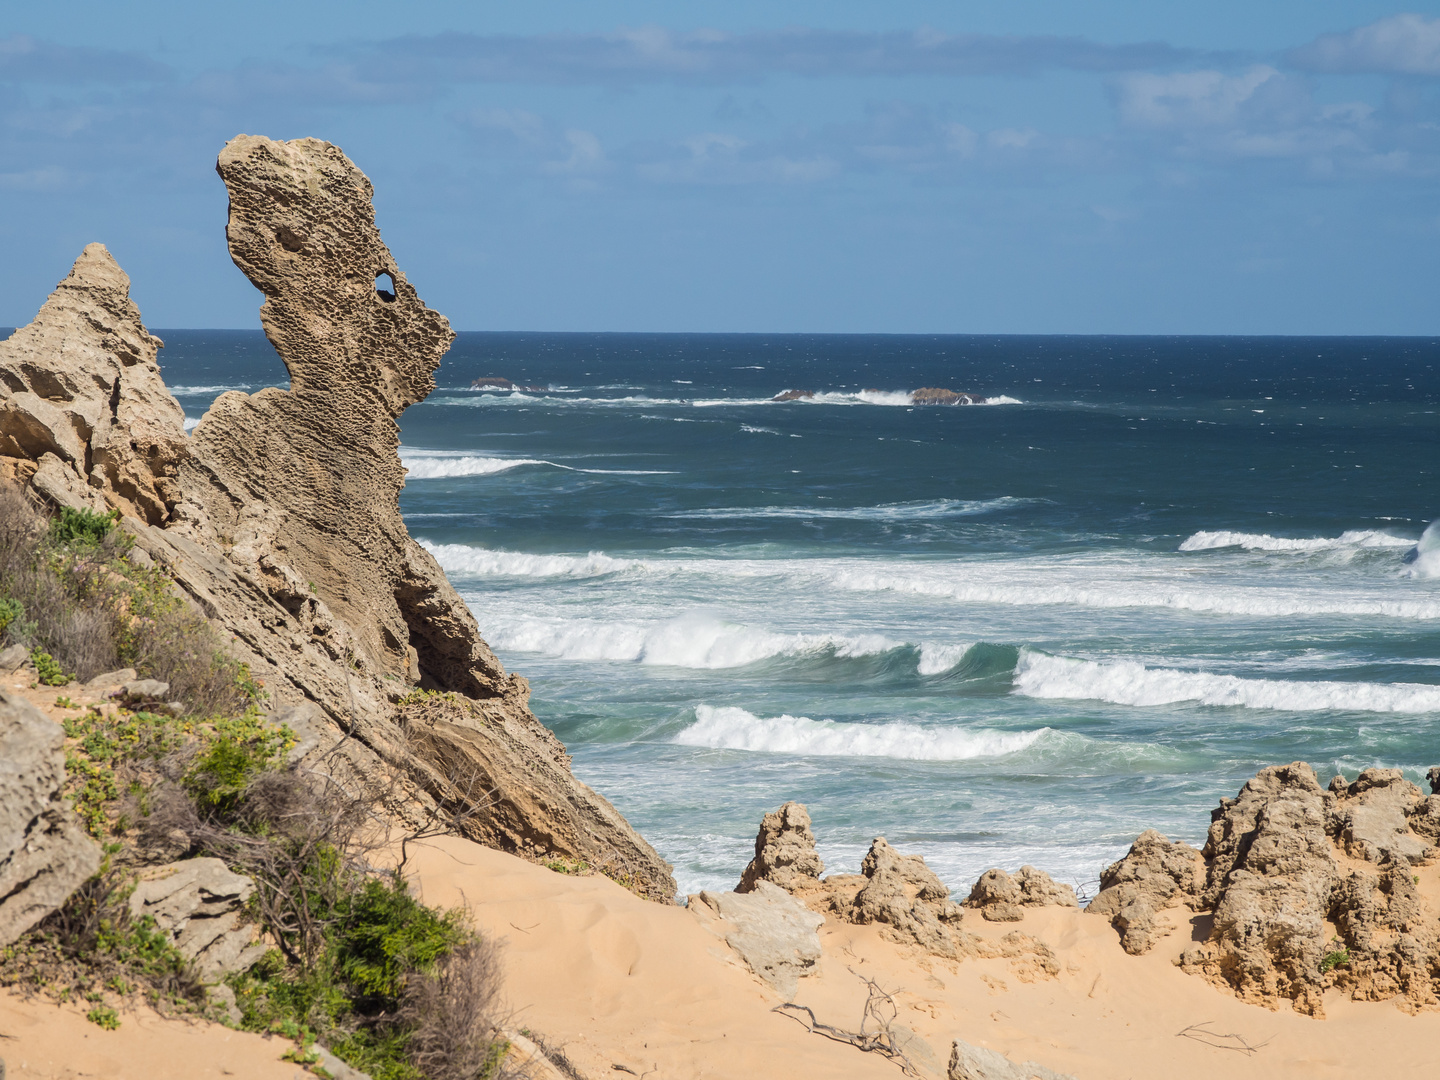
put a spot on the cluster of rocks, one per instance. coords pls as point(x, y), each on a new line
point(494, 382)
point(1310, 888)
point(926, 395)
point(278, 517)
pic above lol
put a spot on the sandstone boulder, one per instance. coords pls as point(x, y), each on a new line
point(903, 893)
point(774, 933)
point(44, 854)
point(785, 852)
point(1156, 874)
point(1001, 897)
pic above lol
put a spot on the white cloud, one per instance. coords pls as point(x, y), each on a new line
point(1395, 45)
point(586, 154)
point(1190, 98)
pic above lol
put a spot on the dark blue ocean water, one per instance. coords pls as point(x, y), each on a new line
point(996, 634)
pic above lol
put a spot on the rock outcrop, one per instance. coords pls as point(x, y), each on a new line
point(1001, 897)
point(84, 413)
point(774, 933)
point(44, 854)
point(794, 395)
point(1156, 874)
point(785, 852)
point(200, 904)
point(278, 518)
point(1309, 889)
point(904, 894)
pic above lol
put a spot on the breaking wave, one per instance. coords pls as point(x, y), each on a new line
point(908, 511)
point(731, 728)
point(1354, 538)
point(692, 641)
point(1126, 682)
point(1424, 557)
point(464, 559)
point(440, 464)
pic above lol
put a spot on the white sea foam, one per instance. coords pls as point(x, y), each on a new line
point(188, 391)
point(438, 467)
point(907, 511)
point(1354, 538)
point(485, 562)
point(731, 728)
point(1125, 682)
point(694, 641)
point(937, 659)
point(438, 464)
point(1426, 563)
point(190, 422)
point(825, 397)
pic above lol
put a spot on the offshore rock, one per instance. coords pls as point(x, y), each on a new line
point(44, 854)
point(785, 852)
point(82, 401)
point(1001, 897)
point(278, 518)
point(774, 933)
point(794, 395)
point(1155, 874)
point(935, 395)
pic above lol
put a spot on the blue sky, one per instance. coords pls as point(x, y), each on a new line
point(1031, 167)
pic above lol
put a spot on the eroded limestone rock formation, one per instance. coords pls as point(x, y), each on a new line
point(1310, 889)
point(44, 854)
point(785, 852)
point(200, 903)
point(279, 517)
point(772, 931)
point(1001, 897)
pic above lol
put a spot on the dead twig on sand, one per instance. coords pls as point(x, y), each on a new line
point(1228, 1040)
point(876, 1034)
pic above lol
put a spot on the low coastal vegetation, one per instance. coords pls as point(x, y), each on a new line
point(355, 962)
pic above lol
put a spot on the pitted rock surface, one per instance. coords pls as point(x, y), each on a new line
point(1154, 875)
point(81, 398)
point(785, 852)
point(1001, 897)
point(44, 854)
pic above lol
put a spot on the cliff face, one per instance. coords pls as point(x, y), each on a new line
point(279, 517)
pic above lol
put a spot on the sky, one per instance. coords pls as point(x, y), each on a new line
point(917, 166)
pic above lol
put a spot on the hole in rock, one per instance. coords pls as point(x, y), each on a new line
point(385, 287)
point(288, 240)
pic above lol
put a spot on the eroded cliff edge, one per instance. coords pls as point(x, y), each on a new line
point(279, 516)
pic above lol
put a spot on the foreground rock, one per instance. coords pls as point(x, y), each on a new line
point(1284, 863)
point(769, 929)
point(200, 903)
point(969, 1062)
point(279, 516)
point(44, 854)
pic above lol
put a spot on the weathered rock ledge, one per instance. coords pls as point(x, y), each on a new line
point(279, 519)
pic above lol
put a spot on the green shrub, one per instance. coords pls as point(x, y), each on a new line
point(105, 1016)
point(47, 670)
point(83, 526)
point(11, 612)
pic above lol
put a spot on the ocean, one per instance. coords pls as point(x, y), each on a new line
point(998, 634)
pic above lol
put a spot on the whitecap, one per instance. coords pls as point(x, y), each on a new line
point(937, 659)
point(486, 562)
point(732, 728)
point(907, 511)
point(1126, 682)
point(438, 467)
point(1354, 538)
